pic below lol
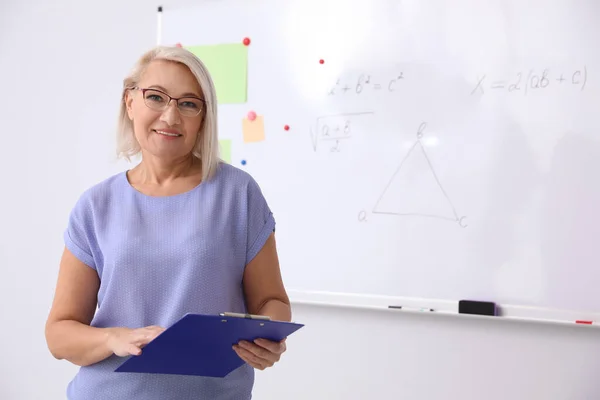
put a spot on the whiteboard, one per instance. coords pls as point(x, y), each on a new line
point(441, 150)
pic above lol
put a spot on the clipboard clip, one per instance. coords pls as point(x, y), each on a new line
point(247, 316)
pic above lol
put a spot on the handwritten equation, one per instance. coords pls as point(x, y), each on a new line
point(331, 131)
point(366, 83)
point(525, 82)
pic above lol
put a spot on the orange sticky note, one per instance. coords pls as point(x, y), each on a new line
point(254, 131)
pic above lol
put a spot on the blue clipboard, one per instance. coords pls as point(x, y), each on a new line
point(201, 345)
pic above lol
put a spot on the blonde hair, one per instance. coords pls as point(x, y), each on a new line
point(206, 148)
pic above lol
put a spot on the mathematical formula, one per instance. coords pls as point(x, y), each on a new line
point(367, 83)
point(331, 131)
point(526, 82)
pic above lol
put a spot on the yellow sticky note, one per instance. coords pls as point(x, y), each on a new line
point(228, 67)
point(254, 131)
point(225, 145)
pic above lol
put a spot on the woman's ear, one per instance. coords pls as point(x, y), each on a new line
point(128, 98)
point(202, 121)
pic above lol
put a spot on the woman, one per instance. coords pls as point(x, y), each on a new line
point(180, 232)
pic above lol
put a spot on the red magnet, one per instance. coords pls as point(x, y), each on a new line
point(287, 127)
point(321, 61)
point(246, 41)
point(178, 45)
point(251, 115)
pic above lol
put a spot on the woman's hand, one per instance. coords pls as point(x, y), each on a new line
point(262, 353)
point(125, 341)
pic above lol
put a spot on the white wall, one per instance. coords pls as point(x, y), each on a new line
point(61, 66)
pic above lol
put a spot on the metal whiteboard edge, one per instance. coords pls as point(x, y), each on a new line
point(509, 313)
point(158, 25)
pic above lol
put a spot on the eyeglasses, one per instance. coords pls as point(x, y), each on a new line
point(159, 101)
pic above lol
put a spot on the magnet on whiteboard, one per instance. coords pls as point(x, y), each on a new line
point(251, 115)
point(178, 45)
point(246, 41)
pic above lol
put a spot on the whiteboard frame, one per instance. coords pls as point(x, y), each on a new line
point(380, 303)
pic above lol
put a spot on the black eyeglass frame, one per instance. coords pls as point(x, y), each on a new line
point(144, 90)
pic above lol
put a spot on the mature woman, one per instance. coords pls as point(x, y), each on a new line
point(180, 232)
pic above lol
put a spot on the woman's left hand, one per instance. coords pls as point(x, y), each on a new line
point(262, 353)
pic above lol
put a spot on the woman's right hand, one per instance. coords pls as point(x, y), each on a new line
point(125, 341)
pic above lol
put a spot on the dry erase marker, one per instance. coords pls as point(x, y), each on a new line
point(248, 316)
point(410, 309)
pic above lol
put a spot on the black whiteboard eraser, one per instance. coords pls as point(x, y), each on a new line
point(159, 8)
point(476, 307)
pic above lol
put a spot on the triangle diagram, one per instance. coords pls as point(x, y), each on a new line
point(415, 190)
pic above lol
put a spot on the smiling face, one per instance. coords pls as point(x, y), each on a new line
point(163, 129)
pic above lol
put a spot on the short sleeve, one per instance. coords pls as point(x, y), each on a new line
point(261, 222)
point(79, 234)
